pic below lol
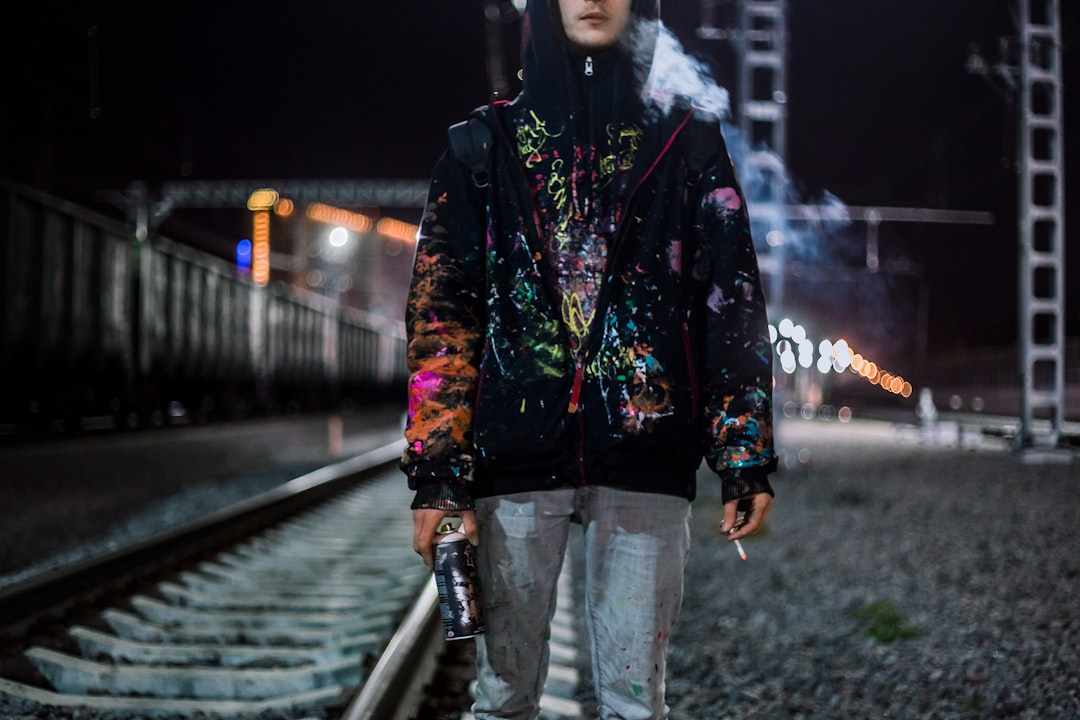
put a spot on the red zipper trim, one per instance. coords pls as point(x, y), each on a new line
point(620, 231)
point(575, 393)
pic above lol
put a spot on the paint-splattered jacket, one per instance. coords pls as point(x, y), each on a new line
point(589, 316)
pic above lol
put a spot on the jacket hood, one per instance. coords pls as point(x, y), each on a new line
point(552, 67)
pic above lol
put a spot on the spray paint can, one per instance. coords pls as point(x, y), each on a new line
point(459, 589)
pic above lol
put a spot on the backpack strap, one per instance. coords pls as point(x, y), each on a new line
point(699, 142)
point(471, 142)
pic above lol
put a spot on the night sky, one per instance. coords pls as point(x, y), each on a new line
point(882, 112)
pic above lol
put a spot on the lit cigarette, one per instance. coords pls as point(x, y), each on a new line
point(738, 546)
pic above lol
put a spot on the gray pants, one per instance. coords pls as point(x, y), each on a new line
point(635, 552)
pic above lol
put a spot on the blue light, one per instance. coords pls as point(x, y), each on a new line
point(243, 256)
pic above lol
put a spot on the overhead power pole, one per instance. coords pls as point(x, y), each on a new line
point(1030, 70)
point(1042, 224)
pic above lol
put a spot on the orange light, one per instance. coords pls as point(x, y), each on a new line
point(357, 222)
point(398, 230)
point(874, 374)
point(284, 207)
point(260, 248)
point(262, 199)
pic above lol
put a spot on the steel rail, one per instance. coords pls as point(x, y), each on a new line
point(51, 593)
point(393, 689)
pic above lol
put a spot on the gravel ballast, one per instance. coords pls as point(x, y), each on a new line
point(897, 578)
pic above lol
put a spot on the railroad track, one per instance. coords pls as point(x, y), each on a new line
point(307, 602)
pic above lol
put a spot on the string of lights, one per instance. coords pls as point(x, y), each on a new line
point(794, 350)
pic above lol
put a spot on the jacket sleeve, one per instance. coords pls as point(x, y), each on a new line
point(738, 351)
point(444, 318)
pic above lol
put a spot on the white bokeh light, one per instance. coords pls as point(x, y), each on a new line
point(339, 236)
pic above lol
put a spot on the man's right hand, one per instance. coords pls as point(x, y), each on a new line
point(426, 524)
point(756, 506)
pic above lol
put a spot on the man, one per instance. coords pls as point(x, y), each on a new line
point(586, 323)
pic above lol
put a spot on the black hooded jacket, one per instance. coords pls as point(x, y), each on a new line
point(587, 311)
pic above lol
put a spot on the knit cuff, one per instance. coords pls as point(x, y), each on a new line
point(444, 495)
point(742, 482)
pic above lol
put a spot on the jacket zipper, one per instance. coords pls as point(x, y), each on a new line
point(579, 364)
point(586, 342)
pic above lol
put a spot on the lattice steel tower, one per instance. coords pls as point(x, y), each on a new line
point(1042, 223)
point(760, 38)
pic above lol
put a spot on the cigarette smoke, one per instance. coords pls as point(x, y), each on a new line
point(673, 74)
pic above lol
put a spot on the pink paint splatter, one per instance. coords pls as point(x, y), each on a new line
point(424, 385)
point(675, 257)
point(727, 199)
point(716, 299)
